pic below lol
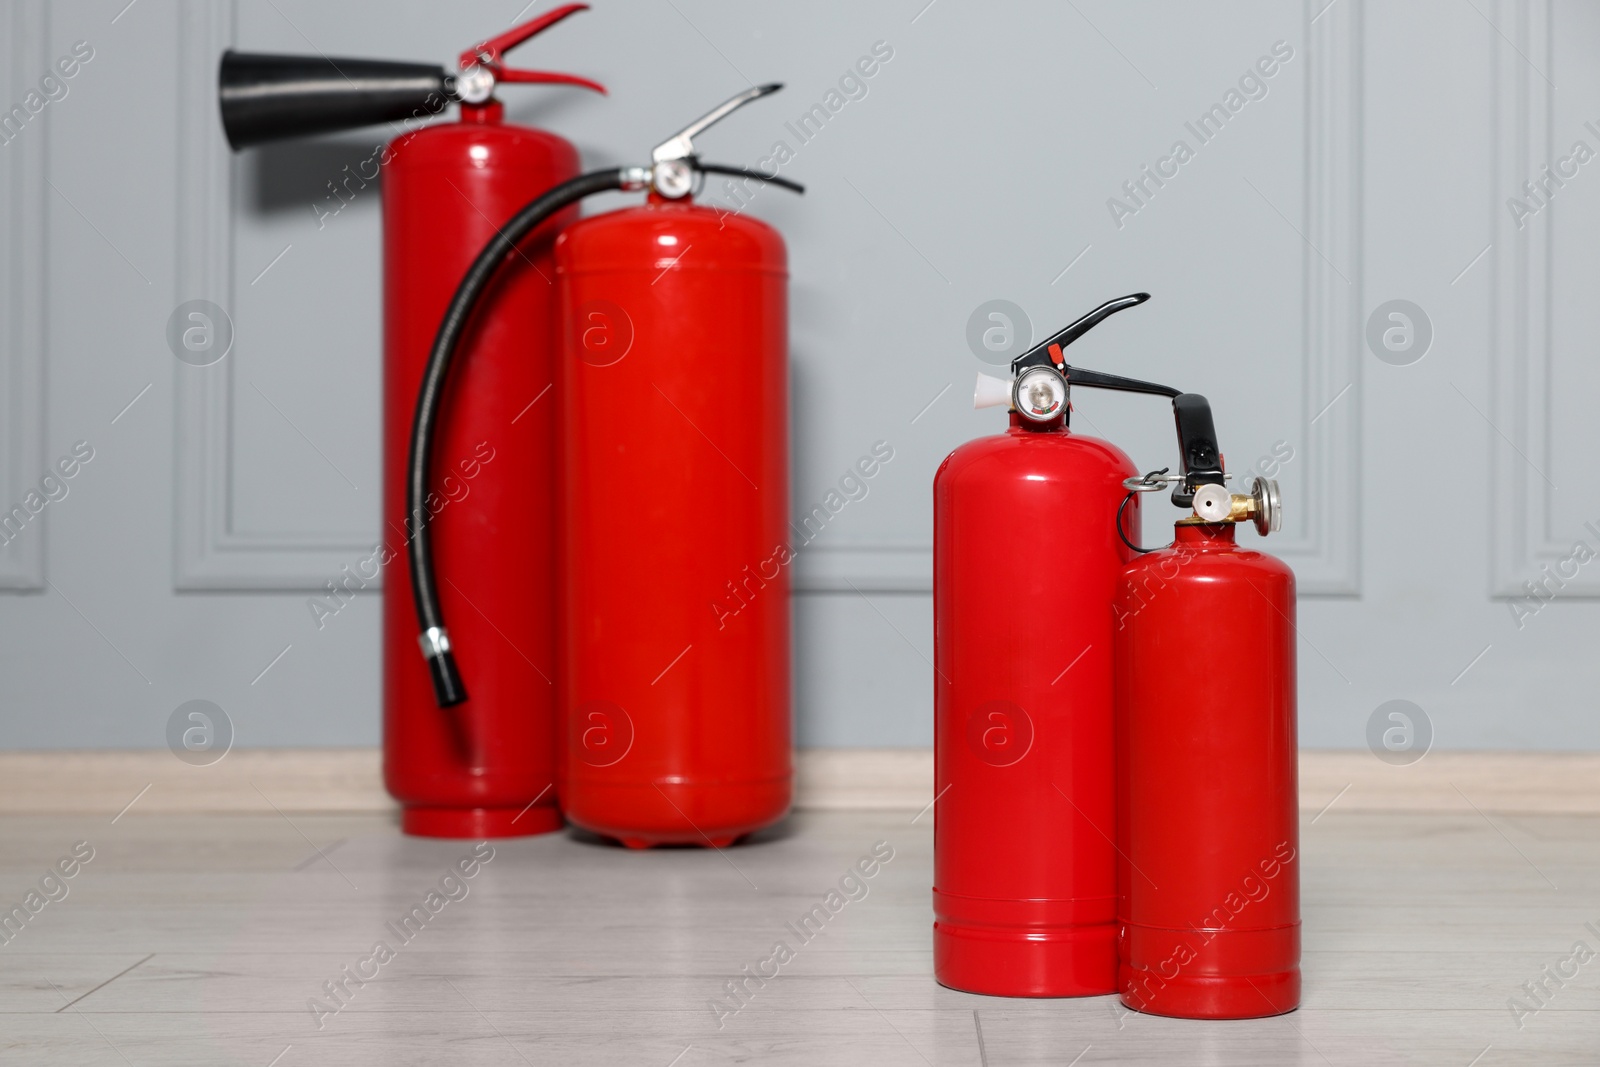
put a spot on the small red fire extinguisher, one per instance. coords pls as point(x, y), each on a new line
point(487, 769)
point(1208, 823)
point(1025, 564)
point(672, 393)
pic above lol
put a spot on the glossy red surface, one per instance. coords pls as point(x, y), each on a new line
point(1208, 801)
point(1025, 563)
point(675, 550)
point(445, 190)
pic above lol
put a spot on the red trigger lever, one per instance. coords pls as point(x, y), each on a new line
point(490, 53)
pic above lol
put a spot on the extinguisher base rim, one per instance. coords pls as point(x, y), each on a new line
point(1060, 961)
point(682, 813)
point(1232, 996)
point(475, 823)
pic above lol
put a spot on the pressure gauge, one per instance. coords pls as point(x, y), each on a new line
point(1040, 394)
point(674, 179)
point(1268, 505)
point(474, 85)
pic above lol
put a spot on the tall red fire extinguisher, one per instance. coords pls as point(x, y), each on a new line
point(1025, 564)
point(488, 767)
point(1208, 822)
point(672, 392)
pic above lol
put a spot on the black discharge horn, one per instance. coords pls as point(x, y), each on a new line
point(268, 97)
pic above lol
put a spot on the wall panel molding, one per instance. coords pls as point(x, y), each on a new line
point(210, 553)
point(1523, 539)
point(24, 265)
point(1325, 550)
point(1327, 556)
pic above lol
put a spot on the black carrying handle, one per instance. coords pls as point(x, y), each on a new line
point(269, 97)
point(1101, 380)
point(750, 174)
point(1198, 452)
point(1197, 447)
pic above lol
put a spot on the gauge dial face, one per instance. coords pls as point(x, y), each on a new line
point(1040, 394)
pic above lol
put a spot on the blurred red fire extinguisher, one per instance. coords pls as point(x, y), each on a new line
point(672, 392)
point(448, 187)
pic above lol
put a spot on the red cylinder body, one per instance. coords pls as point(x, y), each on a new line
point(446, 188)
point(1025, 562)
point(1208, 800)
point(674, 548)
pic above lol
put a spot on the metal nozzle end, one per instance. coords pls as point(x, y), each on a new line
point(448, 687)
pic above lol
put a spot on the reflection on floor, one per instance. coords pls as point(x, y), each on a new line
point(334, 940)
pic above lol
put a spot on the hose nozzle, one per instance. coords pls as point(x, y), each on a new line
point(448, 687)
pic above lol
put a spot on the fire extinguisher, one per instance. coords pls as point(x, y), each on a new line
point(1025, 564)
point(487, 769)
point(671, 387)
point(1208, 825)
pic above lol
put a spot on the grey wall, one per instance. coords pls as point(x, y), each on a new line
point(978, 165)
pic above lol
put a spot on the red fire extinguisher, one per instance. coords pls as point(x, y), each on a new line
point(488, 768)
point(1025, 563)
point(671, 388)
point(1208, 817)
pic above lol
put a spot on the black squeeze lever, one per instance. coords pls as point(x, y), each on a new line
point(1039, 355)
point(1047, 353)
point(1197, 435)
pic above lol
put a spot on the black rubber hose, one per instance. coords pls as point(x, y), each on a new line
point(1121, 533)
point(448, 687)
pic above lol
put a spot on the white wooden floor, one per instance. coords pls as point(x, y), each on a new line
point(200, 940)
